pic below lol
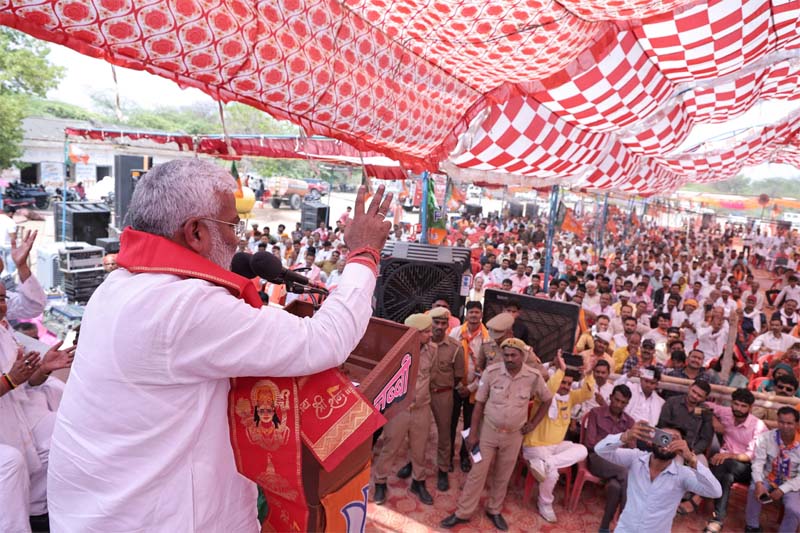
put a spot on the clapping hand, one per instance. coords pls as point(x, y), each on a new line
point(56, 359)
point(25, 365)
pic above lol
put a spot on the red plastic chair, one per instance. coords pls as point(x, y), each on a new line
point(755, 383)
point(583, 474)
point(523, 473)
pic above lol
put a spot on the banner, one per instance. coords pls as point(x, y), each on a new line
point(437, 217)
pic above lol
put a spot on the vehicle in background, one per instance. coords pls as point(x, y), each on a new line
point(18, 195)
point(281, 190)
point(317, 188)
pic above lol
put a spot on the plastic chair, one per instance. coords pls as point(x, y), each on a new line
point(523, 473)
point(583, 474)
point(756, 383)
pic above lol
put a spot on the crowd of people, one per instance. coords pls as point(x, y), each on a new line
point(654, 304)
point(637, 402)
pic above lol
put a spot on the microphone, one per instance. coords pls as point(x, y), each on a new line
point(269, 267)
point(240, 264)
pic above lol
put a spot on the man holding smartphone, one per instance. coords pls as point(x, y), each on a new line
point(656, 482)
point(775, 473)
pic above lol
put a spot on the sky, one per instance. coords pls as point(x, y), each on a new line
point(85, 75)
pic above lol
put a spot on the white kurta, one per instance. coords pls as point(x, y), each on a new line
point(141, 440)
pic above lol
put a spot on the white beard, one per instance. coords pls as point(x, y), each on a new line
point(221, 254)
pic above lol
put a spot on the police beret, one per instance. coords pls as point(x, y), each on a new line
point(514, 343)
point(501, 322)
point(440, 312)
point(419, 321)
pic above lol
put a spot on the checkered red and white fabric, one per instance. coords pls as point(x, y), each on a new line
point(521, 136)
point(707, 39)
point(666, 131)
point(620, 86)
point(572, 93)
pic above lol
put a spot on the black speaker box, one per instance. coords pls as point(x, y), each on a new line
point(85, 221)
point(311, 214)
point(551, 325)
point(127, 170)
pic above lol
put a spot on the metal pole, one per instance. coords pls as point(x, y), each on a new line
point(423, 208)
point(551, 230)
point(602, 232)
point(64, 192)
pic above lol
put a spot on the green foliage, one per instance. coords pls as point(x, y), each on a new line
point(24, 73)
point(39, 107)
point(11, 115)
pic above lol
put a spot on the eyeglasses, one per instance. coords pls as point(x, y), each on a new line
point(239, 228)
point(785, 388)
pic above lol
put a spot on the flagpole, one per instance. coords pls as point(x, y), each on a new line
point(551, 230)
point(602, 231)
point(423, 208)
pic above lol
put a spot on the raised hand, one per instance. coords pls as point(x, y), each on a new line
point(369, 228)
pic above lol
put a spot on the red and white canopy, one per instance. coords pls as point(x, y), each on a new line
point(594, 93)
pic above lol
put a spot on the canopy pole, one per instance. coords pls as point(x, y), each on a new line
point(64, 191)
point(423, 208)
point(601, 232)
point(551, 230)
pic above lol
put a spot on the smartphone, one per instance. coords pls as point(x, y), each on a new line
point(476, 454)
point(764, 498)
point(661, 438)
point(575, 361)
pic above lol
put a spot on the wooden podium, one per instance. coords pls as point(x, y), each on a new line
point(373, 366)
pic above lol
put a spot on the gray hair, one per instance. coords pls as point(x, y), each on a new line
point(172, 192)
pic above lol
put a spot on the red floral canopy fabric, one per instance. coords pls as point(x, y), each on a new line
point(594, 93)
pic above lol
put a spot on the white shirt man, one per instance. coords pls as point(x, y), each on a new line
point(27, 420)
point(769, 342)
point(651, 503)
point(642, 406)
point(789, 292)
point(203, 337)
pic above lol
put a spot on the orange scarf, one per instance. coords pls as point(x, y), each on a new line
point(466, 339)
point(269, 451)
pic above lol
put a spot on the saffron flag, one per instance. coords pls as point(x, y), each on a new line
point(571, 224)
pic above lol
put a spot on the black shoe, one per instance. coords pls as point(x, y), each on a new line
point(466, 464)
point(749, 529)
point(498, 521)
point(404, 472)
point(418, 488)
point(452, 521)
point(379, 496)
point(452, 468)
point(443, 484)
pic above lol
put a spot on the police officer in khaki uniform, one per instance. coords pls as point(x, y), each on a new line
point(414, 422)
point(447, 369)
point(499, 421)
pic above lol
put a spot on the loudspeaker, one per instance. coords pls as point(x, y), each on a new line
point(472, 210)
point(311, 214)
point(550, 325)
point(127, 170)
point(85, 221)
point(515, 209)
point(413, 276)
point(109, 245)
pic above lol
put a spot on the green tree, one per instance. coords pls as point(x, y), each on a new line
point(25, 72)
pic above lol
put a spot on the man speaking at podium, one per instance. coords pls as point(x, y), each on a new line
point(141, 441)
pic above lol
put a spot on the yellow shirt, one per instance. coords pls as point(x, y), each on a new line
point(620, 355)
point(551, 431)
